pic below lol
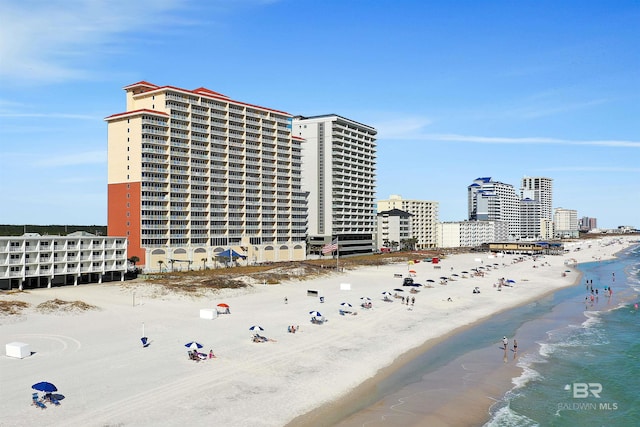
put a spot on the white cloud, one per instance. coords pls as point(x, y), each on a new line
point(476, 139)
point(55, 40)
point(402, 128)
point(534, 113)
point(607, 169)
point(50, 116)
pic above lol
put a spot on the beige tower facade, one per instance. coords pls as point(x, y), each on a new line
point(424, 218)
point(192, 173)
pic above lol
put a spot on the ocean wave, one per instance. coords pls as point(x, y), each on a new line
point(593, 318)
point(566, 339)
point(528, 374)
point(505, 417)
point(546, 349)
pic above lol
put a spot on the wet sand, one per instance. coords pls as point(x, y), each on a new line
point(457, 392)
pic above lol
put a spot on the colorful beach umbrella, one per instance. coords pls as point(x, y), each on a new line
point(193, 345)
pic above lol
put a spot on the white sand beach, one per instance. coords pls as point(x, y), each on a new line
point(105, 377)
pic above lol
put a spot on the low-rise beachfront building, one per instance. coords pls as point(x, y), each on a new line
point(35, 261)
point(469, 234)
point(530, 248)
point(394, 229)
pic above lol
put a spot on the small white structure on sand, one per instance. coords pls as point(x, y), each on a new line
point(208, 313)
point(19, 350)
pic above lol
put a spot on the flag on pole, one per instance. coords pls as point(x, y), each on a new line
point(330, 247)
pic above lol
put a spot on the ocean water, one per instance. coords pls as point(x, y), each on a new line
point(587, 371)
point(577, 364)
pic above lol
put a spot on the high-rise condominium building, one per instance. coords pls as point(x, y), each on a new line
point(565, 223)
point(424, 218)
point(531, 219)
point(541, 190)
point(339, 163)
point(536, 195)
point(494, 201)
point(192, 173)
point(587, 224)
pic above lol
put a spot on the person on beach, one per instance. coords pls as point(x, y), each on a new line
point(286, 300)
point(505, 342)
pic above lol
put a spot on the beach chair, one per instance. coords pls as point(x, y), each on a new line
point(36, 402)
point(50, 398)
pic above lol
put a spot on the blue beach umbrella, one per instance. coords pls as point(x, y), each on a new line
point(346, 305)
point(44, 387)
point(315, 314)
point(256, 328)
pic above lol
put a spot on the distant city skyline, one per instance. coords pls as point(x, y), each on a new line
point(455, 91)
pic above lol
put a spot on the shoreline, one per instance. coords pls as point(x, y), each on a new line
point(475, 413)
point(285, 381)
point(327, 414)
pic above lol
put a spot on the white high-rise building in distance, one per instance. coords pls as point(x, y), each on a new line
point(536, 206)
point(565, 223)
point(494, 201)
point(540, 189)
point(424, 218)
point(339, 177)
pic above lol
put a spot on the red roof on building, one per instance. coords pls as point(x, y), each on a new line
point(201, 91)
point(136, 113)
point(208, 91)
point(141, 83)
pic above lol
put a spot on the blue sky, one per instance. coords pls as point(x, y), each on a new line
point(457, 90)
